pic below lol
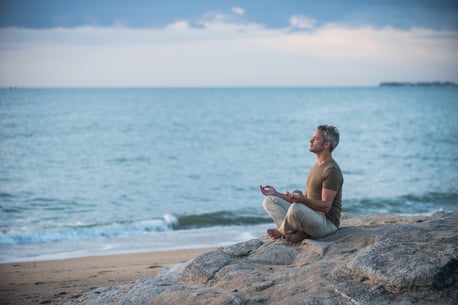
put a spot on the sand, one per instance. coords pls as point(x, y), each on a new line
point(53, 282)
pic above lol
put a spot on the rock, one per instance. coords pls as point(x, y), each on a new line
point(243, 248)
point(399, 266)
point(372, 259)
point(204, 267)
point(415, 263)
point(314, 250)
point(274, 254)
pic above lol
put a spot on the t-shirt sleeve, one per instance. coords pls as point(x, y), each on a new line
point(332, 179)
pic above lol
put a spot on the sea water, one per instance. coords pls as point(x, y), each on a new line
point(104, 171)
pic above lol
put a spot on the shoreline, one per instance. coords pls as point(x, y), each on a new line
point(66, 280)
point(148, 243)
point(56, 281)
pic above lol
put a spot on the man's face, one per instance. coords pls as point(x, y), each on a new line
point(317, 142)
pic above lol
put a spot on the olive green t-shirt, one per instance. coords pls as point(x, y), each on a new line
point(329, 176)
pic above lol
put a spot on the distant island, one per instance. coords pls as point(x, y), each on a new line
point(418, 84)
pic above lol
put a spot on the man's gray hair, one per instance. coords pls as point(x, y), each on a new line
point(331, 134)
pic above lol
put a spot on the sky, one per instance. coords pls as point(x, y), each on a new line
point(224, 43)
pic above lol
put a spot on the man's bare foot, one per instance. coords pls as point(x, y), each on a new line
point(297, 237)
point(274, 233)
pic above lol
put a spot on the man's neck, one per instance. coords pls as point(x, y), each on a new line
point(323, 157)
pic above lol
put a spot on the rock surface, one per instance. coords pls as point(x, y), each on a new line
point(371, 259)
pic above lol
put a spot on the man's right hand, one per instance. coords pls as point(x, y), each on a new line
point(268, 190)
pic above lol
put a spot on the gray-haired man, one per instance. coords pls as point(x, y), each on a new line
point(316, 212)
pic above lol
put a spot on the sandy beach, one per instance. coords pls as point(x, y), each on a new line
point(50, 282)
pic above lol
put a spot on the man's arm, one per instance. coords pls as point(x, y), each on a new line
point(324, 205)
point(268, 190)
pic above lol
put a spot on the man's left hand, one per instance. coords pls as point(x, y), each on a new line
point(295, 196)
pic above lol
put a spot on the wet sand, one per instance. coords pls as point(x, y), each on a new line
point(54, 282)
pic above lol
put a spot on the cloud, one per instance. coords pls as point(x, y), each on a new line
point(238, 10)
point(222, 53)
point(179, 25)
point(301, 22)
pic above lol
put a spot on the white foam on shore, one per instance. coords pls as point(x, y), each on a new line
point(157, 241)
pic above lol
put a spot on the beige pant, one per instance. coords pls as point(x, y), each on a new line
point(290, 218)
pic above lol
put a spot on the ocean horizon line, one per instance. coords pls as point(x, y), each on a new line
point(435, 83)
point(191, 87)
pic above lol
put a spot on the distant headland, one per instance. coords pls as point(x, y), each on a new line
point(418, 84)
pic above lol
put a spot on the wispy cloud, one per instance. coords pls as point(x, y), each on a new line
point(238, 10)
point(219, 52)
point(302, 22)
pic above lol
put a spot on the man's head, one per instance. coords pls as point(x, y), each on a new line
point(325, 137)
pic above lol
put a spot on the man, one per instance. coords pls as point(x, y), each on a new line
point(316, 212)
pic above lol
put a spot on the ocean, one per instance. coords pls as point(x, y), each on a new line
point(107, 171)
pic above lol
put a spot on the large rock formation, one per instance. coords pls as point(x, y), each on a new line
point(371, 259)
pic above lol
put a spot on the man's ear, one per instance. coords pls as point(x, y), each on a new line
point(327, 144)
